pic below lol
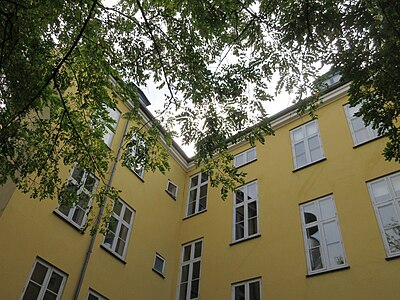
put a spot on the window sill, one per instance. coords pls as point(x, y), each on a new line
point(195, 214)
point(367, 142)
point(329, 271)
point(245, 164)
point(61, 216)
point(310, 164)
point(393, 257)
point(172, 196)
point(158, 273)
point(140, 178)
point(245, 239)
point(112, 254)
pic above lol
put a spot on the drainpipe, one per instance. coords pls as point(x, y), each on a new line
point(98, 220)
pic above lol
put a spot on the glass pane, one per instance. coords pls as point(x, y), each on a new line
point(310, 213)
point(388, 216)
point(316, 154)
point(297, 134)
point(251, 154)
point(90, 182)
point(301, 160)
point(92, 297)
point(380, 190)
point(123, 232)
point(239, 160)
point(239, 230)
point(239, 216)
point(117, 208)
point(49, 296)
point(39, 273)
point(313, 143)
point(83, 200)
point(127, 215)
point(331, 232)
point(119, 248)
point(313, 237)
point(327, 208)
point(393, 238)
point(182, 291)
point(185, 273)
point(196, 270)
point(361, 135)
point(335, 254)
point(252, 209)
point(203, 191)
point(395, 180)
point(109, 238)
point(254, 290)
point(316, 259)
point(193, 195)
point(358, 124)
point(202, 203)
point(77, 174)
point(159, 264)
point(172, 188)
point(191, 208)
point(55, 282)
point(299, 149)
point(252, 226)
point(32, 291)
point(204, 177)
point(353, 110)
point(186, 253)
point(252, 191)
point(197, 249)
point(194, 181)
point(239, 196)
point(311, 128)
point(64, 209)
point(239, 292)
point(78, 216)
point(194, 291)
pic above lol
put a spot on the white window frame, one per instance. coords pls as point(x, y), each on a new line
point(245, 157)
point(108, 137)
point(119, 222)
point(170, 192)
point(305, 140)
point(246, 285)
point(245, 205)
point(81, 190)
point(44, 285)
point(368, 130)
point(392, 198)
point(189, 263)
point(196, 191)
point(322, 223)
point(158, 256)
point(96, 294)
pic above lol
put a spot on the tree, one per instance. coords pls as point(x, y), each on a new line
point(57, 59)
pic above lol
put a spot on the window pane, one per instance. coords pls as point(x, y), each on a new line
point(310, 213)
point(32, 291)
point(77, 174)
point(298, 134)
point(331, 232)
point(395, 180)
point(186, 252)
point(83, 200)
point(204, 177)
point(311, 128)
point(239, 292)
point(197, 249)
point(239, 216)
point(194, 291)
point(185, 273)
point(388, 216)
point(90, 182)
point(252, 191)
point(251, 154)
point(55, 282)
point(93, 297)
point(159, 264)
point(117, 208)
point(127, 215)
point(196, 270)
point(327, 208)
point(123, 233)
point(78, 216)
point(336, 255)
point(239, 160)
point(191, 208)
point(313, 237)
point(49, 296)
point(194, 181)
point(39, 273)
point(380, 190)
point(393, 238)
point(316, 259)
point(254, 290)
point(193, 195)
point(252, 226)
point(119, 248)
point(252, 209)
point(299, 149)
point(239, 196)
point(182, 291)
point(239, 230)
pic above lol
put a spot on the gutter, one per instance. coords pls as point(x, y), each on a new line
point(99, 217)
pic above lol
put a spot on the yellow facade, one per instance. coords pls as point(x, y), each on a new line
point(275, 255)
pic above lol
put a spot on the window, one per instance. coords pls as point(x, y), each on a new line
point(197, 200)
point(108, 137)
point(359, 131)
point(245, 211)
point(119, 229)
point(385, 195)
point(306, 144)
point(248, 290)
point(189, 282)
point(95, 296)
point(45, 282)
point(172, 189)
point(138, 155)
point(159, 264)
point(322, 238)
point(82, 185)
point(245, 157)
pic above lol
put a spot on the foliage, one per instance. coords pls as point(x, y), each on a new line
point(57, 59)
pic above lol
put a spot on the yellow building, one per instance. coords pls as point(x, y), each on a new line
point(319, 218)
